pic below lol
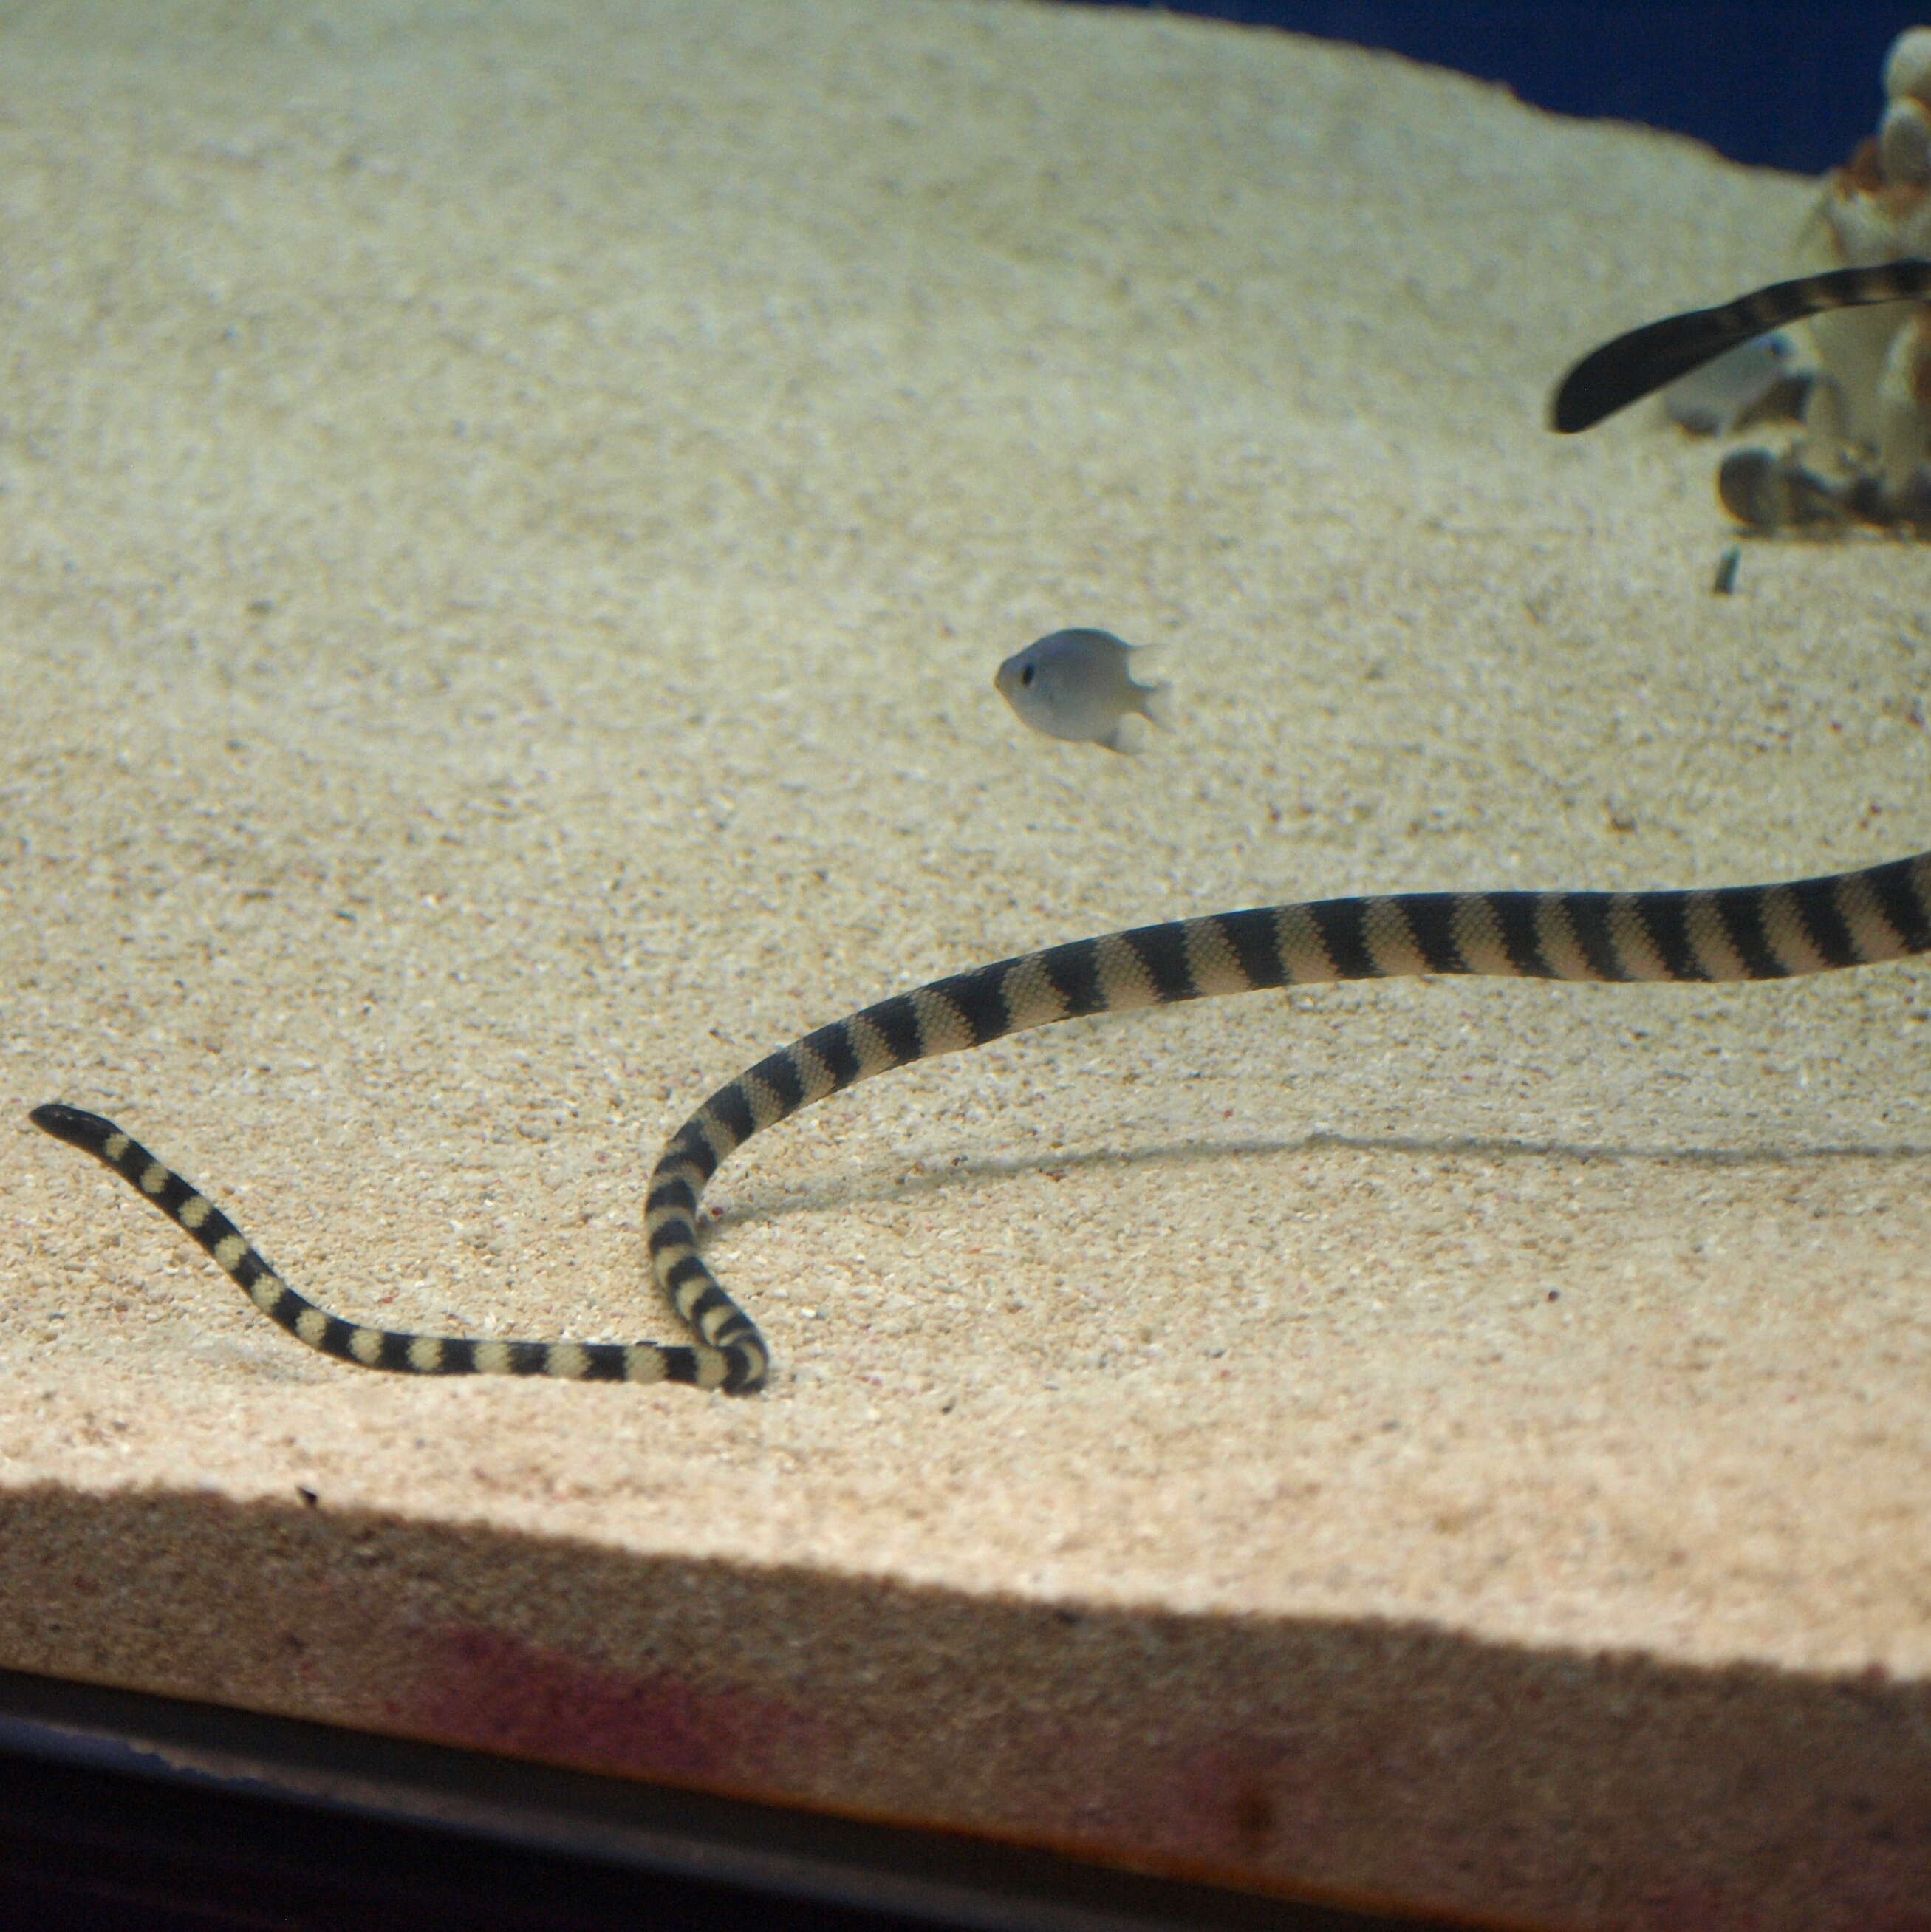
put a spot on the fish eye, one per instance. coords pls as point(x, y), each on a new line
point(1027, 676)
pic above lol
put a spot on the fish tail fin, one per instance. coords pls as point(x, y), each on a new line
point(1157, 702)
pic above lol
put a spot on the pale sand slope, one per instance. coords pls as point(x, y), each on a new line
point(509, 525)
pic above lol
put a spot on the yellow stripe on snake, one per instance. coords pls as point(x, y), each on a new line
point(1736, 932)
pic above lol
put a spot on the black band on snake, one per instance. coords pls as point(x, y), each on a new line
point(1646, 359)
point(1735, 932)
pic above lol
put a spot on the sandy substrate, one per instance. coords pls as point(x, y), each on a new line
point(506, 527)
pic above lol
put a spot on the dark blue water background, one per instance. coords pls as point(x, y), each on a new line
point(1777, 86)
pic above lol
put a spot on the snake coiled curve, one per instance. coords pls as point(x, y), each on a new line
point(1735, 932)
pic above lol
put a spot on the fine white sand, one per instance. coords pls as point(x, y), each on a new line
point(508, 521)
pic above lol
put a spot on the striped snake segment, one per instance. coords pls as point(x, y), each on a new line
point(1735, 932)
point(1624, 370)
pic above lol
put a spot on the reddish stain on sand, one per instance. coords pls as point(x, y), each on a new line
point(495, 1692)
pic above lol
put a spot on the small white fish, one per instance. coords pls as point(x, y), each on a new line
point(1722, 395)
point(1077, 684)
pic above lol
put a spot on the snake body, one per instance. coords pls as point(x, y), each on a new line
point(1646, 359)
point(1735, 932)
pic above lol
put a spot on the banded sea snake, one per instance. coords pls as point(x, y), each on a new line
point(1646, 359)
point(1732, 932)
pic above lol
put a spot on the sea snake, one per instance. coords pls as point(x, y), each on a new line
point(1623, 371)
point(1734, 932)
